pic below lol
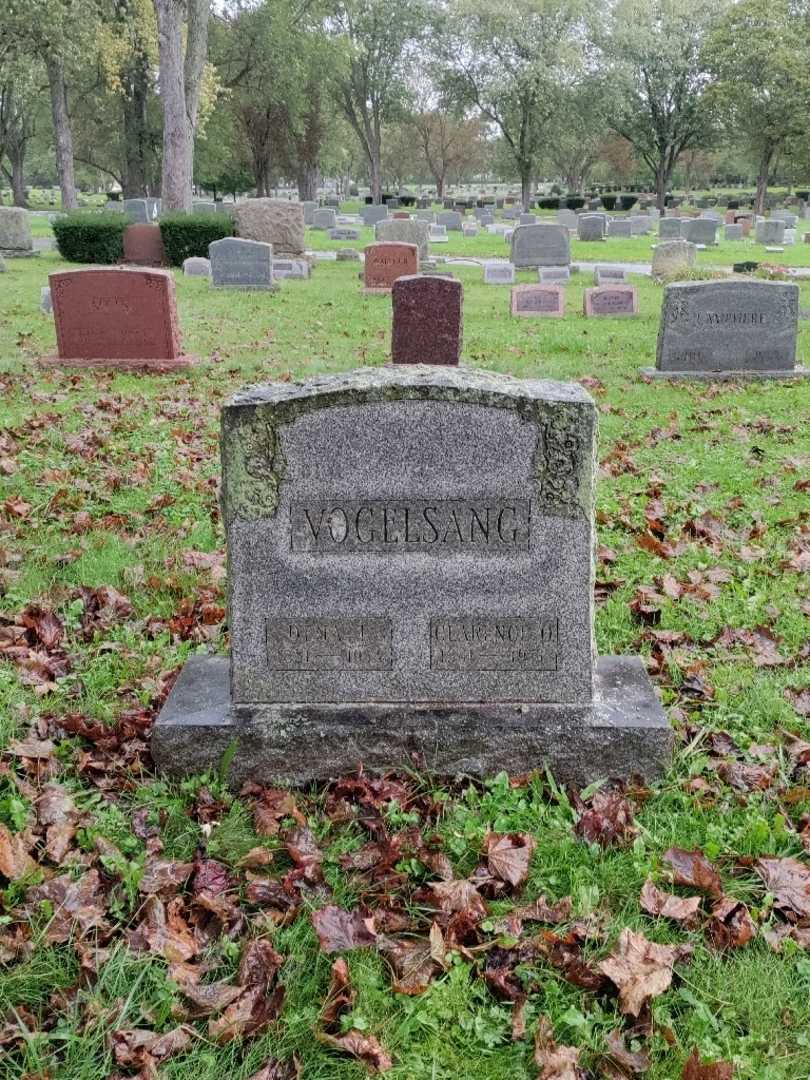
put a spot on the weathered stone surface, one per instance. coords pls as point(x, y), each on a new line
point(196, 266)
point(735, 325)
point(733, 232)
point(533, 300)
point(116, 318)
point(237, 263)
point(428, 320)
point(770, 231)
point(625, 732)
point(541, 245)
point(295, 268)
point(143, 245)
point(309, 207)
point(606, 275)
point(404, 232)
point(373, 213)
point(567, 218)
point(437, 234)
point(498, 273)
point(669, 228)
point(410, 563)
point(672, 256)
point(344, 232)
point(592, 226)
point(272, 221)
point(138, 211)
point(324, 219)
point(45, 302)
point(640, 225)
point(701, 231)
point(386, 262)
point(619, 227)
point(451, 219)
point(552, 274)
point(203, 206)
point(614, 299)
point(15, 231)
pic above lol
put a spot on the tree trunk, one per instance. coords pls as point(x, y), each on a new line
point(661, 183)
point(136, 139)
point(16, 155)
point(179, 79)
point(439, 186)
point(63, 136)
point(308, 179)
point(525, 187)
point(375, 173)
point(762, 180)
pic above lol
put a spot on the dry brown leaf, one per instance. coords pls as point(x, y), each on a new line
point(365, 1048)
point(15, 862)
point(640, 969)
point(509, 855)
point(555, 1062)
point(693, 869)
point(789, 881)
point(694, 1069)
point(339, 930)
point(667, 905)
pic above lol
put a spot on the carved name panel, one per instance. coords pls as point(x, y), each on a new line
point(404, 526)
point(728, 326)
point(490, 643)
point(315, 644)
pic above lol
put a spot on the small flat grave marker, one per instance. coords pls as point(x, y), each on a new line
point(611, 300)
point(538, 300)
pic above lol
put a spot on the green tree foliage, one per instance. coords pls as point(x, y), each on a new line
point(760, 56)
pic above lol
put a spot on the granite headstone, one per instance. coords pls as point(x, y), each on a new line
point(427, 321)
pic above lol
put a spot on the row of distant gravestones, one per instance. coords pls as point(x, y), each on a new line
point(128, 317)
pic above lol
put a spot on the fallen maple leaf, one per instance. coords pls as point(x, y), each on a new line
point(693, 869)
point(731, 925)
point(458, 895)
point(667, 905)
point(540, 910)
point(258, 1005)
point(789, 881)
point(339, 930)
point(640, 969)
point(694, 1069)
point(608, 820)
point(140, 1049)
point(15, 861)
point(365, 1048)
point(279, 1070)
point(556, 1062)
point(509, 855)
point(627, 1060)
point(412, 961)
point(341, 994)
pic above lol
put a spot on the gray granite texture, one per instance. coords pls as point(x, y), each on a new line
point(701, 231)
point(15, 231)
point(672, 256)
point(592, 226)
point(138, 211)
point(541, 245)
point(619, 227)
point(326, 218)
point(733, 325)
point(195, 266)
point(410, 560)
point(373, 213)
point(770, 231)
point(241, 264)
point(624, 732)
point(399, 231)
point(279, 222)
point(606, 275)
point(413, 522)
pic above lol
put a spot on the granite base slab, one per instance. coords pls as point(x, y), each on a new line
point(724, 376)
point(623, 732)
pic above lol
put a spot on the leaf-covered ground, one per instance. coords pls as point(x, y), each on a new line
point(513, 929)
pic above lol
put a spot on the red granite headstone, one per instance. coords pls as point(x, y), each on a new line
point(385, 262)
point(543, 300)
point(116, 318)
point(747, 222)
point(402, 215)
point(427, 326)
point(729, 218)
point(143, 245)
point(611, 300)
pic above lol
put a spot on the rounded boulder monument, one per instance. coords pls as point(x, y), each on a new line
point(279, 222)
point(410, 554)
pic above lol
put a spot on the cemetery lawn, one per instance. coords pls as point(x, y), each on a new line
point(112, 575)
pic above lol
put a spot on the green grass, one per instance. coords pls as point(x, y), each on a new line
point(120, 471)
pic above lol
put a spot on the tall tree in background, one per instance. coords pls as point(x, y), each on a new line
point(449, 147)
point(18, 112)
point(760, 55)
point(653, 52)
point(577, 130)
point(508, 61)
point(181, 78)
point(371, 80)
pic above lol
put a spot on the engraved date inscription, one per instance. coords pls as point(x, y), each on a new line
point(491, 643)
point(339, 644)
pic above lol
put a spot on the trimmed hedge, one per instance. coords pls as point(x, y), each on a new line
point(609, 202)
point(549, 203)
point(575, 202)
point(86, 236)
point(188, 235)
point(627, 202)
